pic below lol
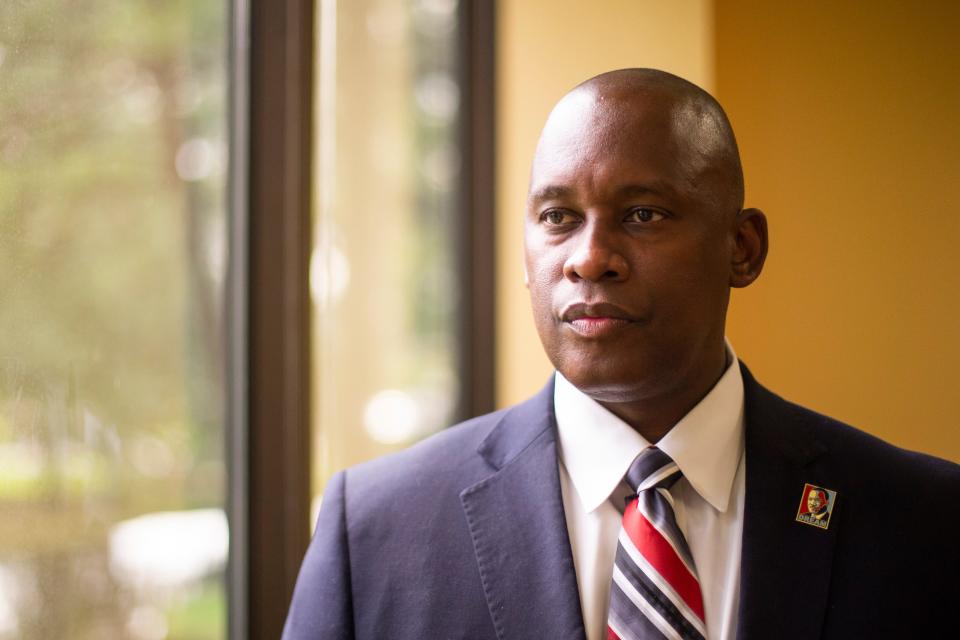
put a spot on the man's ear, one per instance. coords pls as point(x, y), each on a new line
point(750, 247)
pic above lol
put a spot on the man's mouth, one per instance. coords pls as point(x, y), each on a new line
point(596, 320)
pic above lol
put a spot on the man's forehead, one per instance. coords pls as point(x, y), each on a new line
point(595, 114)
point(676, 134)
point(589, 137)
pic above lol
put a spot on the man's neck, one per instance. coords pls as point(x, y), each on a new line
point(654, 417)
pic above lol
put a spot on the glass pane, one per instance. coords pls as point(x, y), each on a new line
point(384, 274)
point(112, 252)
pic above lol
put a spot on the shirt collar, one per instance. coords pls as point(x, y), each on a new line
point(597, 447)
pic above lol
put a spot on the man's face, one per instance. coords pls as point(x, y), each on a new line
point(627, 250)
point(814, 502)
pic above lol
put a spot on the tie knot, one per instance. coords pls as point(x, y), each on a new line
point(652, 469)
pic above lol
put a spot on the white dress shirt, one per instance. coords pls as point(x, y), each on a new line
point(596, 449)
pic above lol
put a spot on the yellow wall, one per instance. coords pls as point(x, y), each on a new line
point(845, 115)
point(544, 48)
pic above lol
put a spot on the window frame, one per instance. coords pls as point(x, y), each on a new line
point(268, 331)
point(272, 56)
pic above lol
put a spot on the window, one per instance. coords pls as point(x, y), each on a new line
point(384, 268)
point(113, 172)
point(156, 271)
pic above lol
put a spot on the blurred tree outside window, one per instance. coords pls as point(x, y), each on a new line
point(112, 261)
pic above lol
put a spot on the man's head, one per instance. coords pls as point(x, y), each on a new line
point(634, 234)
point(815, 501)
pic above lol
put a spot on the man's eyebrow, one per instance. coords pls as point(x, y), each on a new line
point(549, 192)
point(558, 192)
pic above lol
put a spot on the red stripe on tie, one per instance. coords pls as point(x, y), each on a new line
point(611, 635)
point(661, 556)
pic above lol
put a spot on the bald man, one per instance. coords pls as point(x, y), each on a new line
point(653, 488)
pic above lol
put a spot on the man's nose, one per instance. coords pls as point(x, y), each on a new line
point(596, 258)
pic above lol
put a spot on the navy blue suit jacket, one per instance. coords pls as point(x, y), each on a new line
point(464, 536)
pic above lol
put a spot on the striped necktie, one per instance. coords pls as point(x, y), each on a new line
point(655, 591)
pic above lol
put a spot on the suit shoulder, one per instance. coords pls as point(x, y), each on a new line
point(444, 462)
point(866, 452)
point(861, 449)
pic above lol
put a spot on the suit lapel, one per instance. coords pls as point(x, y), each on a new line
point(519, 531)
point(786, 565)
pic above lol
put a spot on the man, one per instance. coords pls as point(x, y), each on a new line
point(513, 525)
point(816, 504)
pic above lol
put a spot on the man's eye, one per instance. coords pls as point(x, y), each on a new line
point(556, 216)
point(641, 214)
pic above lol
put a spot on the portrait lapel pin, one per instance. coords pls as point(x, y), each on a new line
point(816, 506)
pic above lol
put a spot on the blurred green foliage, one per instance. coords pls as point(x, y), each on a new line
point(196, 617)
point(112, 243)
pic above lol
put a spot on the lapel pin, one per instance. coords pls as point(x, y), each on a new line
point(816, 506)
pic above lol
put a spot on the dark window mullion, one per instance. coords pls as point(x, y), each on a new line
point(476, 212)
point(280, 142)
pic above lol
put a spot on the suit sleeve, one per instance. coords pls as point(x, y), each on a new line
point(322, 605)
